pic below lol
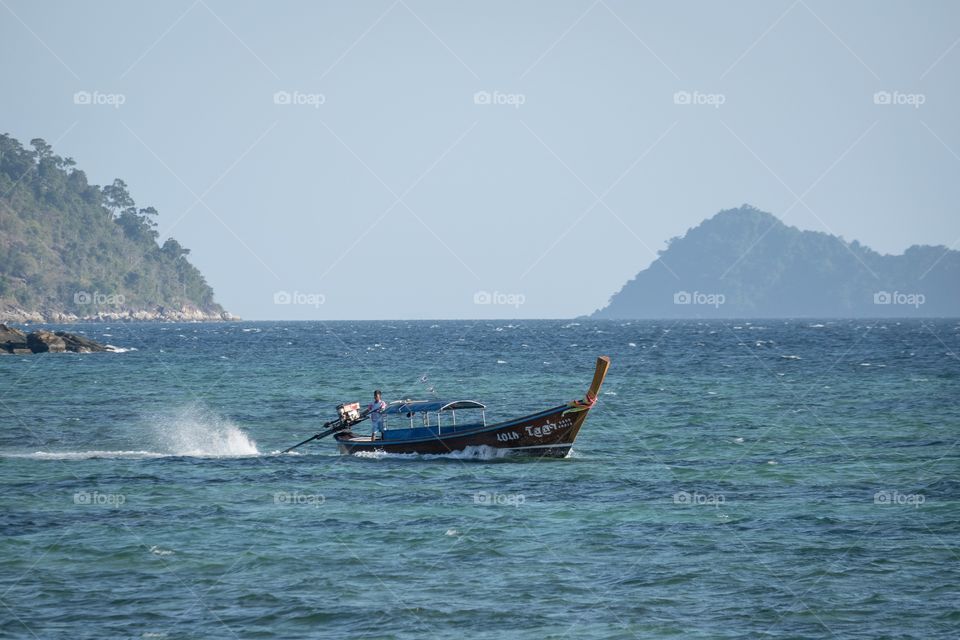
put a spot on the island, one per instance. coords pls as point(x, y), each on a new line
point(71, 251)
point(746, 263)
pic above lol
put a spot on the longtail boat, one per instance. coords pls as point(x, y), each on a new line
point(439, 427)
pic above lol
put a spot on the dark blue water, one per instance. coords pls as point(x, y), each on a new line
point(766, 479)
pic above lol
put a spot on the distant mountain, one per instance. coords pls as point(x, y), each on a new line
point(70, 250)
point(745, 263)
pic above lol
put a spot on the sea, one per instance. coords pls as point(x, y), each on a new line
point(736, 479)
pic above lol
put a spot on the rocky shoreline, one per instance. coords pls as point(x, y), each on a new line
point(16, 342)
point(17, 315)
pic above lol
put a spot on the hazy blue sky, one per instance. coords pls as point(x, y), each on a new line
point(390, 192)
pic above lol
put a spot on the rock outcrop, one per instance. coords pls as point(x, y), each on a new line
point(15, 341)
point(46, 341)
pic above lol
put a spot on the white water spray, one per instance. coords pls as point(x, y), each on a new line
point(194, 431)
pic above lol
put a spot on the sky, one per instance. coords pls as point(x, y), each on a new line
point(410, 159)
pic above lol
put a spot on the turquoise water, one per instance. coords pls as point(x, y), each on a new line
point(765, 479)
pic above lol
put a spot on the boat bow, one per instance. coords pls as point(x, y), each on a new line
point(603, 363)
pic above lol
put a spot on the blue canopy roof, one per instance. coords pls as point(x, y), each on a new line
point(420, 406)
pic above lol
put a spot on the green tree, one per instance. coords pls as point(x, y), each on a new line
point(149, 216)
point(173, 249)
point(42, 150)
point(116, 198)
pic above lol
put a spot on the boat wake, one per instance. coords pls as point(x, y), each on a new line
point(481, 452)
point(84, 455)
point(189, 432)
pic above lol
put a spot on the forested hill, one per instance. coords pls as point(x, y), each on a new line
point(73, 250)
point(745, 263)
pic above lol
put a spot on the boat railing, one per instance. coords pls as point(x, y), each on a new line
point(453, 417)
point(426, 419)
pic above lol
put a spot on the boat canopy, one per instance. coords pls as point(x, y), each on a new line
point(424, 406)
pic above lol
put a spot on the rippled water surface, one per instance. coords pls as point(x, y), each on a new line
point(766, 479)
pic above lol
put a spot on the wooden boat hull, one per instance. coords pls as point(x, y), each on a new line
point(549, 433)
